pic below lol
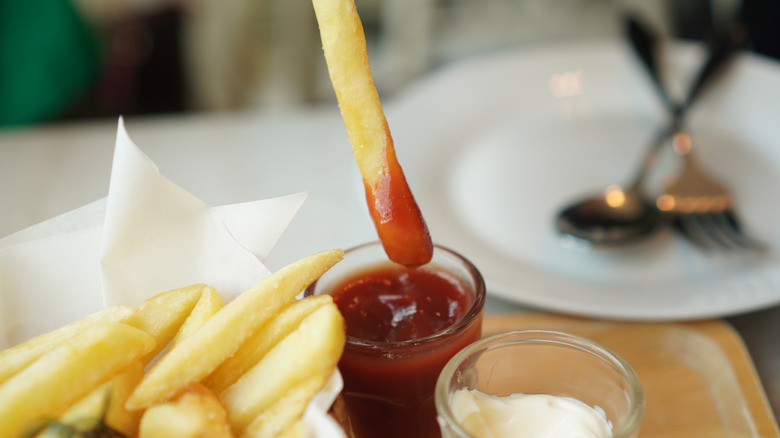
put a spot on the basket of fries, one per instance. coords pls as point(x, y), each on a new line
point(166, 323)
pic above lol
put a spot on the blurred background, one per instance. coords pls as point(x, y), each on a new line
point(63, 60)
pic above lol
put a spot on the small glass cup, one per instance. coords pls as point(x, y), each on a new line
point(543, 362)
point(389, 386)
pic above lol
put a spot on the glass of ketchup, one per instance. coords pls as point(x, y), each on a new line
point(403, 325)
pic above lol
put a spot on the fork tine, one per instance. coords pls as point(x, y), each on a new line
point(731, 229)
point(692, 230)
point(716, 232)
point(716, 225)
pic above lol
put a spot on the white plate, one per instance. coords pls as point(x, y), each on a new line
point(494, 147)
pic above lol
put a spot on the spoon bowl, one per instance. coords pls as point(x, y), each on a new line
point(616, 218)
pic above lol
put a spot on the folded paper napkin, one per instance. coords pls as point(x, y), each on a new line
point(147, 236)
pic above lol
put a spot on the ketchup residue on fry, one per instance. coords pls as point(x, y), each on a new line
point(397, 217)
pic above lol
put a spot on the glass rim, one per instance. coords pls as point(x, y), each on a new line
point(636, 391)
point(477, 306)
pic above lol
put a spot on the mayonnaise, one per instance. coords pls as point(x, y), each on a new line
point(527, 416)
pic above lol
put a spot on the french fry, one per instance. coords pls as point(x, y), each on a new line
point(262, 341)
point(117, 416)
point(106, 404)
point(163, 314)
point(195, 414)
point(208, 304)
point(67, 373)
point(204, 350)
point(16, 358)
point(314, 348)
point(90, 409)
point(395, 213)
point(86, 414)
point(167, 420)
point(296, 430)
point(283, 413)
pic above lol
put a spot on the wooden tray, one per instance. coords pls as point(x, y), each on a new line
point(698, 377)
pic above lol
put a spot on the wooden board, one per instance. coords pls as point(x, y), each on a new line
point(698, 377)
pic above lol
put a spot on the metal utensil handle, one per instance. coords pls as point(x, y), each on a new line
point(725, 44)
point(645, 45)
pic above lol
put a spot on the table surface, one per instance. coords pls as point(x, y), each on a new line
point(234, 157)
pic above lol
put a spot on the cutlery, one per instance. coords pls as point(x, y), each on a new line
point(623, 216)
point(700, 207)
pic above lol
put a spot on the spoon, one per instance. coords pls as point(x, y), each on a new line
point(621, 216)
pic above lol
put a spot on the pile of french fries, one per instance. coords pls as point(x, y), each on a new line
point(183, 364)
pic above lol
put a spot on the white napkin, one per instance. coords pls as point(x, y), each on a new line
point(149, 235)
point(156, 236)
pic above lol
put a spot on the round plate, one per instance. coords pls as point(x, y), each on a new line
point(493, 148)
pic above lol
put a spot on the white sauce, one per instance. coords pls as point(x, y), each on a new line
point(528, 416)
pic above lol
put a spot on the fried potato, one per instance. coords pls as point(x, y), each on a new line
point(283, 413)
point(208, 304)
point(16, 358)
point(395, 213)
point(67, 373)
point(90, 409)
point(262, 341)
point(195, 414)
point(117, 416)
point(106, 404)
point(204, 350)
point(163, 314)
point(296, 430)
point(314, 348)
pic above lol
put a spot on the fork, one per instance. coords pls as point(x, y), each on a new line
point(701, 207)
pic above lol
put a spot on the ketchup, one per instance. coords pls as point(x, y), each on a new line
point(392, 358)
point(397, 217)
point(395, 304)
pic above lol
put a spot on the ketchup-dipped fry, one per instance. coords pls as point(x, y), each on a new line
point(396, 215)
